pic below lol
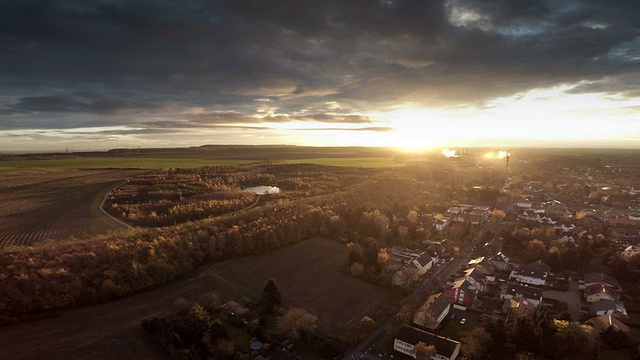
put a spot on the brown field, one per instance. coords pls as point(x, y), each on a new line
point(310, 278)
point(40, 206)
point(306, 273)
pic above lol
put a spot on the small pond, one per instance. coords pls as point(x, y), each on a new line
point(263, 190)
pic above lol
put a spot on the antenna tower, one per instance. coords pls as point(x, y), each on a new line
point(507, 160)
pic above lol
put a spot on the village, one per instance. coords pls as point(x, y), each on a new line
point(501, 275)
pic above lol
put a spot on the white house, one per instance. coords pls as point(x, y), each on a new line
point(527, 274)
point(408, 337)
point(423, 263)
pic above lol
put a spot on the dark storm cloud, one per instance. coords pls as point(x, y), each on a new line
point(141, 59)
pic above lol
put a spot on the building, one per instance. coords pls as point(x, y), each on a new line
point(514, 290)
point(609, 307)
point(462, 292)
point(602, 323)
point(408, 337)
point(476, 278)
point(606, 279)
point(518, 306)
point(433, 311)
point(600, 291)
point(423, 263)
point(630, 250)
point(500, 262)
point(530, 274)
point(483, 265)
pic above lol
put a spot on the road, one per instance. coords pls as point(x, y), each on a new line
point(367, 348)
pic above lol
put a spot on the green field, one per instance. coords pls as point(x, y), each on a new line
point(73, 163)
point(349, 162)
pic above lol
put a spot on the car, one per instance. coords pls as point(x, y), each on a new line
point(453, 315)
point(463, 321)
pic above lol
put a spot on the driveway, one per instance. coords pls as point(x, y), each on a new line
point(571, 297)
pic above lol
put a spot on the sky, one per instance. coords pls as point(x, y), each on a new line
point(96, 75)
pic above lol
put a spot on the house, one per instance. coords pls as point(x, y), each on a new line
point(609, 307)
point(476, 278)
point(423, 263)
point(566, 228)
point(608, 280)
point(530, 274)
point(483, 265)
point(462, 292)
point(479, 214)
point(625, 234)
point(500, 261)
point(441, 224)
point(602, 323)
point(514, 290)
point(630, 250)
point(408, 337)
point(493, 246)
point(518, 306)
point(524, 204)
point(433, 311)
point(563, 240)
point(600, 291)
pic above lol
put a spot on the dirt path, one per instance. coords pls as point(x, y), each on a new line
point(106, 331)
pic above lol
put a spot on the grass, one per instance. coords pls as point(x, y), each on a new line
point(350, 162)
point(454, 329)
point(72, 163)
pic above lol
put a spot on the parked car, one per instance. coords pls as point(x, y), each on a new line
point(463, 321)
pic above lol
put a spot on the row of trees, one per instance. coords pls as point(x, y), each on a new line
point(56, 276)
point(530, 337)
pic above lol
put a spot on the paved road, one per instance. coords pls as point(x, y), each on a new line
point(365, 350)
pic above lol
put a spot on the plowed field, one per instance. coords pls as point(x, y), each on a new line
point(40, 206)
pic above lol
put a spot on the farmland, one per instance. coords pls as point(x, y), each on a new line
point(55, 205)
point(102, 162)
point(350, 162)
point(318, 283)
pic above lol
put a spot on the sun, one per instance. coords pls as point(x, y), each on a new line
point(416, 129)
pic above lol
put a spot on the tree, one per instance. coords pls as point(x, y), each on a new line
point(536, 250)
point(271, 296)
point(498, 214)
point(424, 351)
point(356, 269)
point(214, 302)
point(476, 343)
point(366, 324)
point(295, 323)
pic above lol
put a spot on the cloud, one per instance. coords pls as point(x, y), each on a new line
point(143, 63)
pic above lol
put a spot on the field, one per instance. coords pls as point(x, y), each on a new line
point(309, 276)
point(349, 162)
point(95, 162)
point(55, 205)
